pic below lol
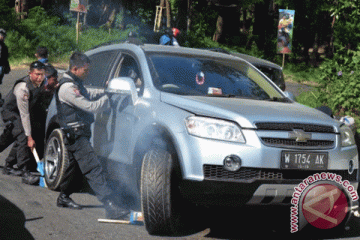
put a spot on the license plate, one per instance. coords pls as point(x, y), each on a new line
point(304, 160)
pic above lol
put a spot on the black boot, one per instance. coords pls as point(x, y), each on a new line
point(113, 211)
point(65, 201)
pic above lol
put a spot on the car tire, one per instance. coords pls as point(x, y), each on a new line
point(159, 196)
point(56, 159)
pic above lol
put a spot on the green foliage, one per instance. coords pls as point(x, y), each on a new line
point(146, 16)
point(302, 73)
point(40, 29)
point(7, 16)
point(347, 23)
point(93, 37)
point(204, 22)
point(119, 19)
point(339, 83)
point(338, 78)
point(309, 98)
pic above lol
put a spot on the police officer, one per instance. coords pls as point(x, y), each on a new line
point(39, 112)
point(42, 54)
point(4, 62)
point(76, 107)
point(16, 116)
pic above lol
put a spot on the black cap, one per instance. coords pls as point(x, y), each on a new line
point(50, 71)
point(37, 65)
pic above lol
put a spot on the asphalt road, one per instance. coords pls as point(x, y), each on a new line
point(30, 212)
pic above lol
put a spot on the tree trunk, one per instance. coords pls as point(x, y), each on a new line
point(331, 44)
point(227, 26)
point(109, 11)
point(189, 16)
point(21, 8)
point(219, 29)
point(168, 14)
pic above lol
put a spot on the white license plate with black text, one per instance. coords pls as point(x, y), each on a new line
point(304, 160)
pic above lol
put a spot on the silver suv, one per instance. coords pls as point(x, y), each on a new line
point(196, 127)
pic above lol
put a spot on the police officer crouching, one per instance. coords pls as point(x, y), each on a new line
point(76, 109)
point(21, 99)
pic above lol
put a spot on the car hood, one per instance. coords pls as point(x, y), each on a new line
point(246, 111)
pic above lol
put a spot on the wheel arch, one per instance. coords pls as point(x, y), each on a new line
point(159, 136)
point(53, 124)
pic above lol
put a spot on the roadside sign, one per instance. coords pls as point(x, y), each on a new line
point(285, 31)
point(79, 5)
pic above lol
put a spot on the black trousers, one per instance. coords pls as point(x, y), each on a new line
point(82, 156)
point(20, 152)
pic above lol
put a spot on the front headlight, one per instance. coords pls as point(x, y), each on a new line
point(214, 129)
point(347, 136)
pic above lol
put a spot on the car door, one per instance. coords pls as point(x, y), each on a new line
point(113, 129)
point(103, 64)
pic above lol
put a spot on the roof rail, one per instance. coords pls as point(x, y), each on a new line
point(218, 50)
point(109, 43)
point(132, 38)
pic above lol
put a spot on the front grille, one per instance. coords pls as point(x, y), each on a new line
point(284, 142)
point(292, 143)
point(286, 126)
point(218, 173)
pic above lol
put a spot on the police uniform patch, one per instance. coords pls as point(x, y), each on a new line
point(77, 92)
point(26, 96)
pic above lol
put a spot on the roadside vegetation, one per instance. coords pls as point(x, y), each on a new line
point(335, 78)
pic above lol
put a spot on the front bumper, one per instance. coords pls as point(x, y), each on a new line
point(236, 194)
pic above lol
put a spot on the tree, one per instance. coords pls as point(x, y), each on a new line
point(265, 27)
point(228, 22)
point(21, 8)
point(7, 18)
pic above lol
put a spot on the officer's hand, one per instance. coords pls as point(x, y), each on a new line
point(31, 142)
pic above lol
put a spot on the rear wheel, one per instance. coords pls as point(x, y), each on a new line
point(160, 193)
point(56, 159)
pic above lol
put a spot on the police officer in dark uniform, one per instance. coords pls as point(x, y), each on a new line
point(76, 107)
point(38, 113)
point(16, 116)
point(4, 61)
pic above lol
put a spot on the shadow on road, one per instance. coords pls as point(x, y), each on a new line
point(265, 223)
point(12, 222)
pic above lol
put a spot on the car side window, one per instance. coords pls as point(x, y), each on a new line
point(130, 68)
point(101, 64)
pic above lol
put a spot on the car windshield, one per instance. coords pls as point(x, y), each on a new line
point(200, 76)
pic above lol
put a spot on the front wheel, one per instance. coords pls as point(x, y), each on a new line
point(160, 193)
point(56, 159)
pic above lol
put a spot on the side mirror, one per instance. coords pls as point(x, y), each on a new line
point(290, 95)
point(122, 85)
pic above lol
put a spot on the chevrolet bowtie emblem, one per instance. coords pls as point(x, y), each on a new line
point(299, 135)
